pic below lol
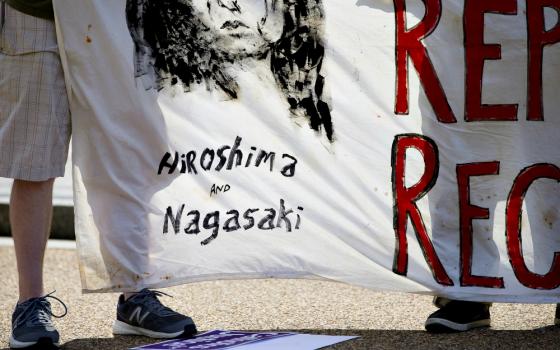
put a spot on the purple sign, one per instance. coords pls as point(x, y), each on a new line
point(215, 340)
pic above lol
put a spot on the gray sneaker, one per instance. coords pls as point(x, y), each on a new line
point(144, 314)
point(32, 325)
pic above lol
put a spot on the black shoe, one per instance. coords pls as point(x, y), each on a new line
point(557, 315)
point(32, 327)
point(458, 316)
point(144, 314)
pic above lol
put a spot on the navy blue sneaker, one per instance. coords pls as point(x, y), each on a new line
point(458, 316)
point(144, 314)
point(32, 325)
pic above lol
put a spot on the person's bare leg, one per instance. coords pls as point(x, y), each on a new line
point(30, 221)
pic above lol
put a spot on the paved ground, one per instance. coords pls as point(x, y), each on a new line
point(383, 320)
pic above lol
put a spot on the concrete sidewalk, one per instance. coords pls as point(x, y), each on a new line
point(383, 320)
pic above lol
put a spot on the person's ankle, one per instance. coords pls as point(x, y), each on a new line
point(26, 297)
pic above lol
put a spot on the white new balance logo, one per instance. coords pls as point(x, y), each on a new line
point(137, 313)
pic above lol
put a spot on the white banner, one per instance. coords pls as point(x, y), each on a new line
point(396, 145)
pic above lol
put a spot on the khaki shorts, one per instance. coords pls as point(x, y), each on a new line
point(34, 116)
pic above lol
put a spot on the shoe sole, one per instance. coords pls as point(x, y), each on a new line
point(121, 328)
point(440, 325)
point(42, 343)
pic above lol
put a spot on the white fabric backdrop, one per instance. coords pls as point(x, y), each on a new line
point(121, 131)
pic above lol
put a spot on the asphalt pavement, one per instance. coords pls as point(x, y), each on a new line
point(382, 320)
